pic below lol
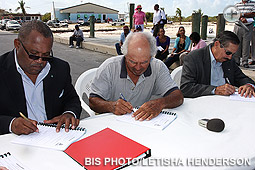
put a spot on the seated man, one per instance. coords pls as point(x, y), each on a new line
point(122, 39)
point(212, 70)
point(137, 76)
point(36, 84)
point(77, 36)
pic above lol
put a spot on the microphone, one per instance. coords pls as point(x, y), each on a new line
point(215, 125)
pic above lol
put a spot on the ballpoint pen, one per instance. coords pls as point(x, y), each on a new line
point(227, 80)
point(123, 98)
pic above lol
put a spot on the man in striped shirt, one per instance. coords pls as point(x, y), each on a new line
point(247, 10)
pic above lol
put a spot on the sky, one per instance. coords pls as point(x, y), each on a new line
point(209, 7)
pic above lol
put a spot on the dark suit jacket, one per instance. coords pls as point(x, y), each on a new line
point(12, 100)
point(196, 74)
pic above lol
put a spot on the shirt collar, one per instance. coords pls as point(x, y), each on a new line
point(123, 70)
point(213, 60)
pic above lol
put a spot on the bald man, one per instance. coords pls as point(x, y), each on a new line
point(137, 76)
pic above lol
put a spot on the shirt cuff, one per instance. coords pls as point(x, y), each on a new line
point(70, 112)
point(10, 126)
point(253, 86)
point(213, 91)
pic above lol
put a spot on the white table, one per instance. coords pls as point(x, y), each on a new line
point(182, 141)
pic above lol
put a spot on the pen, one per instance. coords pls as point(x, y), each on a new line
point(227, 80)
point(123, 98)
point(23, 116)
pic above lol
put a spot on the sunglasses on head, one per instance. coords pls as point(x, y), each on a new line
point(226, 51)
point(35, 57)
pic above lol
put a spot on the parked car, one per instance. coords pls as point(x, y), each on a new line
point(3, 23)
point(12, 25)
point(118, 22)
point(53, 23)
point(63, 24)
point(82, 22)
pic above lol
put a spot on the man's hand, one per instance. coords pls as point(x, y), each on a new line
point(225, 90)
point(67, 119)
point(121, 107)
point(246, 91)
point(22, 126)
point(3, 168)
point(148, 111)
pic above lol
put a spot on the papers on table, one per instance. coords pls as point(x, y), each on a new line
point(164, 119)
point(238, 97)
point(49, 138)
point(8, 161)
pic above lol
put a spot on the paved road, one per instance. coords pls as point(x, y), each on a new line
point(80, 60)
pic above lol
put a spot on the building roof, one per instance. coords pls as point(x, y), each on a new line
point(88, 8)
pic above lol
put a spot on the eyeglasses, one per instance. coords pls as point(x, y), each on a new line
point(226, 51)
point(35, 57)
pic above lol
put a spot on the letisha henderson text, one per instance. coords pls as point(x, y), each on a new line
point(217, 162)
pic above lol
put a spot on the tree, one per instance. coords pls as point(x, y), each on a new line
point(46, 17)
point(149, 16)
point(178, 13)
point(22, 7)
point(198, 11)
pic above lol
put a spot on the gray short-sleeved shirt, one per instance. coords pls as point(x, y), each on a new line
point(111, 79)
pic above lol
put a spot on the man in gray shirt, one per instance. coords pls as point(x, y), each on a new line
point(77, 36)
point(137, 76)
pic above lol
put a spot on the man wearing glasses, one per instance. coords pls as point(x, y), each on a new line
point(124, 82)
point(35, 83)
point(212, 70)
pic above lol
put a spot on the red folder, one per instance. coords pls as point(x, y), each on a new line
point(106, 150)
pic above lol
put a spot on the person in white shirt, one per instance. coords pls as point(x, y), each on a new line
point(158, 20)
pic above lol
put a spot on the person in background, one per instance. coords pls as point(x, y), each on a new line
point(138, 29)
point(122, 39)
point(163, 43)
point(139, 18)
point(197, 43)
point(213, 71)
point(138, 76)
point(247, 10)
point(77, 36)
point(36, 84)
point(252, 62)
point(158, 20)
point(182, 43)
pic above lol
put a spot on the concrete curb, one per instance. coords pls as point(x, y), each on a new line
point(90, 46)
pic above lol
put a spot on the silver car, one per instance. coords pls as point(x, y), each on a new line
point(12, 25)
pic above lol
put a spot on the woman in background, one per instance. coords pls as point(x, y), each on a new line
point(163, 43)
point(197, 43)
point(181, 45)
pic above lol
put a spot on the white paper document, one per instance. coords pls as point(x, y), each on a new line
point(49, 138)
point(238, 97)
point(164, 119)
point(160, 48)
point(8, 161)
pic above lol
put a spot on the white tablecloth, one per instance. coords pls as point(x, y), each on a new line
point(181, 142)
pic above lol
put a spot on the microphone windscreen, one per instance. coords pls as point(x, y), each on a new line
point(215, 125)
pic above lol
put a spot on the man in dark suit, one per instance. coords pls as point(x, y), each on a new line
point(36, 84)
point(212, 70)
